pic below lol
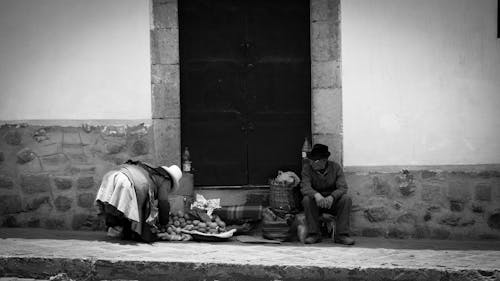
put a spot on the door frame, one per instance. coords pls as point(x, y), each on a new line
point(326, 80)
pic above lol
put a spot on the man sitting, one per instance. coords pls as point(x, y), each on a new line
point(324, 188)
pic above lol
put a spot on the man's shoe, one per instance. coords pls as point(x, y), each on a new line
point(312, 239)
point(343, 239)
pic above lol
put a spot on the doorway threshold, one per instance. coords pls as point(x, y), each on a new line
point(233, 187)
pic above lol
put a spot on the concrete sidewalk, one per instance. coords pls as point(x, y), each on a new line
point(38, 253)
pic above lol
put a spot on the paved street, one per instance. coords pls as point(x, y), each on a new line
point(40, 253)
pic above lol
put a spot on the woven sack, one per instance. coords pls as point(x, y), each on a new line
point(281, 197)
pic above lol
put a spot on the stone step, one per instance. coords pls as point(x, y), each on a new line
point(91, 256)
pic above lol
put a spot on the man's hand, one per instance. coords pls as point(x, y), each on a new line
point(329, 202)
point(320, 200)
point(323, 202)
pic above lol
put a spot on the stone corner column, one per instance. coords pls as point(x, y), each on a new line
point(326, 79)
point(165, 84)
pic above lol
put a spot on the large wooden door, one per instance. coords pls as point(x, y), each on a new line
point(245, 87)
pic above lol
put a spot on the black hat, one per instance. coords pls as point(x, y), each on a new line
point(319, 151)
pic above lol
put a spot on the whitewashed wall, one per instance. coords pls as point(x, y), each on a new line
point(73, 59)
point(421, 82)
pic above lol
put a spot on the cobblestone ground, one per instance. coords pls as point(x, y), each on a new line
point(104, 258)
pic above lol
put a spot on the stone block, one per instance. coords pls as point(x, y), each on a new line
point(82, 169)
point(114, 131)
point(113, 148)
point(46, 149)
point(13, 137)
point(494, 221)
point(427, 216)
point(380, 187)
point(164, 1)
point(165, 46)
point(63, 203)
point(372, 232)
point(25, 155)
point(376, 214)
point(167, 74)
point(165, 101)
point(406, 183)
point(6, 182)
point(450, 219)
point(63, 183)
point(434, 209)
point(55, 223)
point(477, 208)
point(86, 222)
point(431, 192)
point(33, 222)
point(489, 174)
point(35, 203)
point(327, 111)
point(397, 205)
point(483, 192)
point(140, 147)
point(422, 232)
point(165, 15)
point(425, 174)
point(407, 189)
point(456, 206)
point(326, 75)
point(10, 221)
point(407, 218)
point(10, 204)
point(488, 236)
point(86, 200)
point(35, 183)
point(325, 42)
point(167, 141)
point(325, 10)
point(54, 162)
point(396, 232)
point(71, 136)
point(138, 130)
point(79, 157)
point(440, 233)
point(467, 221)
point(458, 190)
point(86, 182)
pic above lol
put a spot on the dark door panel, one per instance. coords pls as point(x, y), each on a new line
point(245, 87)
point(211, 29)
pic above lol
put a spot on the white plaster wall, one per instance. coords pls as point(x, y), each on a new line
point(74, 59)
point(421, 82)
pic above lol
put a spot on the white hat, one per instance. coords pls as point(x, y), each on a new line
point(175, 173)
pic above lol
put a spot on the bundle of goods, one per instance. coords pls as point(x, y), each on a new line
point(242, 218)
point(197, 224)
point(284, 192)
point(278, 226)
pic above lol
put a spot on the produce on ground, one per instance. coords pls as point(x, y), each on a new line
point(185, 221)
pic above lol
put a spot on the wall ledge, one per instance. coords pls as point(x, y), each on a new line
point(76, 122)
point(466, 168)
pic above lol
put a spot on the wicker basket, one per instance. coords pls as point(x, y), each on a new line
point(281, 197)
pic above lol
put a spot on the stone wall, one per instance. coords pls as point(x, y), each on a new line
point(326, 77)
point(49, 175)
point(436, 202)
